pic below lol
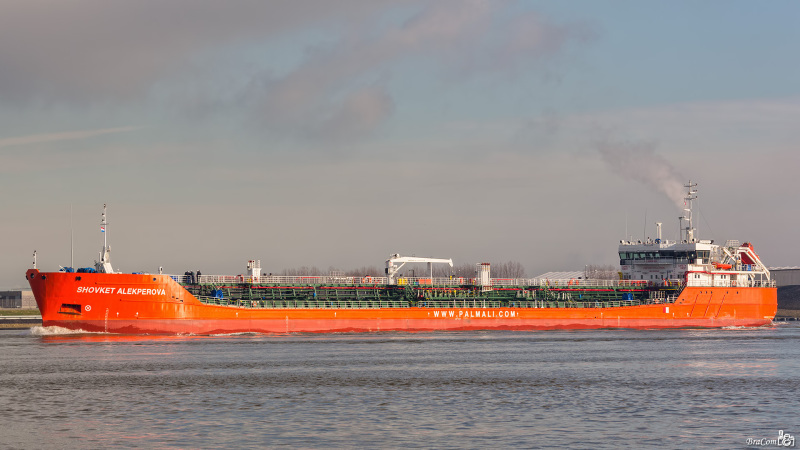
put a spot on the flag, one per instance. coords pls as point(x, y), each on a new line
point(102, 228)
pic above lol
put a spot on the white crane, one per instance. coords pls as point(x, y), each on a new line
point(391, 269)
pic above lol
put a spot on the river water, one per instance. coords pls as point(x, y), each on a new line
point(594, 388)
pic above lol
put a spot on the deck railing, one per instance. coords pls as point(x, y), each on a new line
point(428, 303)
point(459, 281)
point(731, 283)
point(403, 281)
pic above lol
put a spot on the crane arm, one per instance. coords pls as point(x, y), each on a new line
point(391, 269)
point(414, 259)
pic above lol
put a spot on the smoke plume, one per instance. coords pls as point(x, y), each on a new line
point(638, 161)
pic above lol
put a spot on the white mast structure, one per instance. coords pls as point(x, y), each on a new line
point(104, 266)
point(71, 240)
point(688, 231)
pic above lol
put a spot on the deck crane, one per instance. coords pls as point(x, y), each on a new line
point(391, 269)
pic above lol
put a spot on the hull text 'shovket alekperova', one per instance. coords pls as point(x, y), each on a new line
point(662, 284)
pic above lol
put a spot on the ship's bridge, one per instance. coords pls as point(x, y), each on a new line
point(663, 261)
point(666, 252)
point(700, 263)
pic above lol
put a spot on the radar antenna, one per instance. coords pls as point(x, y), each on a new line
point(688, 230)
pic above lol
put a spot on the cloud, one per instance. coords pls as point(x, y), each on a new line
point(209, 59)
point(461, 39)
point(731, 130)
point(358, 114)
point(93, 51)
point(64, 136)
point(343, 82)
point(749, 120)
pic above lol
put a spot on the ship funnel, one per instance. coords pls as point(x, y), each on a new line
point(484, 275)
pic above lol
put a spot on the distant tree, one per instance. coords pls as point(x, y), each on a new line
point(510, 269)
point(459, 271)
point(465, 270)
point(313, 271)
point(601, 272)
point(304, 271)
point(364, 271)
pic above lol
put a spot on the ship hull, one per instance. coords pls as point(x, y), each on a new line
point(156, 304)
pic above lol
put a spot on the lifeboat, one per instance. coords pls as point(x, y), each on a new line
point(746, 259)
point(722, 266)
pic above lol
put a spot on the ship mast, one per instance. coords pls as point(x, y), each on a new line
point(71, 240)
point(103, 224)
point(688, 231)
point(104, 266)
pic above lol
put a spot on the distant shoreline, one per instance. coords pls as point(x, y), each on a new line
point(17, 318)
point(788, 314)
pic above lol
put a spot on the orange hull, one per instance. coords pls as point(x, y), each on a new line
point(156, 304)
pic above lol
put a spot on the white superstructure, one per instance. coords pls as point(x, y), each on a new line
point(693, 261)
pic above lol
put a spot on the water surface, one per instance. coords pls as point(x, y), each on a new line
point(595, 388)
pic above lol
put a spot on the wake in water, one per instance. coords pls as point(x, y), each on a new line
point(245, 333)
point(39, 330)
point(739, 327)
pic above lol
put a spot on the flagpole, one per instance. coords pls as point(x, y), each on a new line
point(71, 241)
point(103, 224)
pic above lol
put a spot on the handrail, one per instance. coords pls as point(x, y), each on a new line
point(429, 303)
point(731, 283)
point(462, 281)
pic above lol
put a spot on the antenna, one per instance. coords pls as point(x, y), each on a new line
point(104, 266)
point(71, 242)
point(34, 259)
point(687, 209)
point(103, 224)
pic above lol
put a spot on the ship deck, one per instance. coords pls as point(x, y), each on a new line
point(372, 292)
point(434, 304)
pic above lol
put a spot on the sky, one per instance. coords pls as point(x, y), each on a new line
point(333, 134)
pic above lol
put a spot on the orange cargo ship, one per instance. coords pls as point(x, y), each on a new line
point(662, 284)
